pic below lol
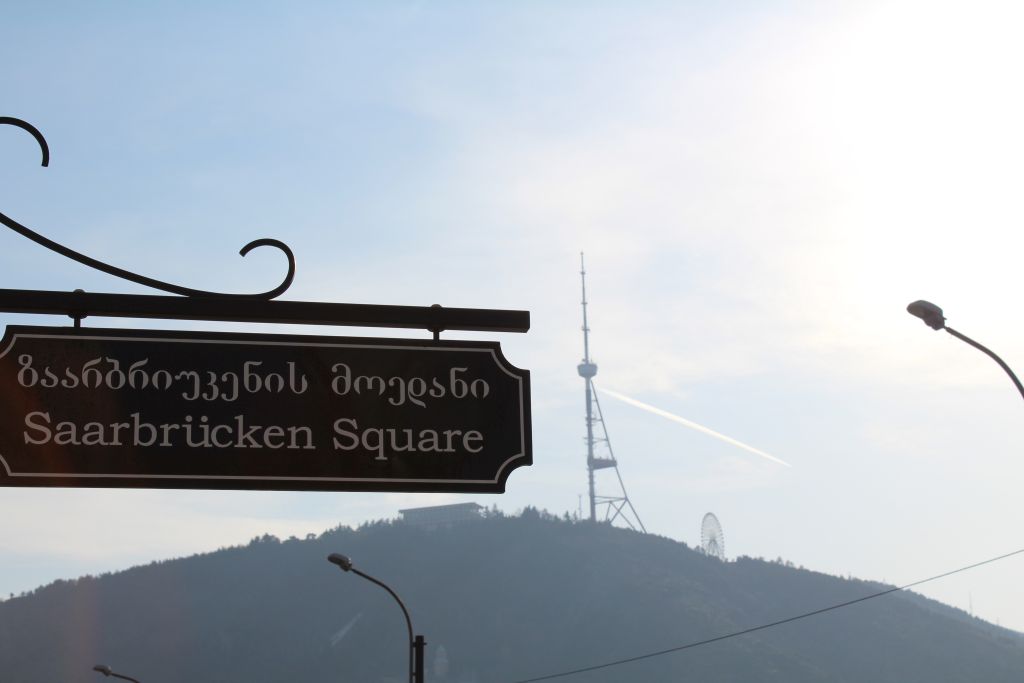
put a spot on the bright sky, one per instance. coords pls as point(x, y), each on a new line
point(760, 191)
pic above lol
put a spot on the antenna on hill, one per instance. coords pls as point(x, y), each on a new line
point(615, 507)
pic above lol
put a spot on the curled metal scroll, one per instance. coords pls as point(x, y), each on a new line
point(128, 275)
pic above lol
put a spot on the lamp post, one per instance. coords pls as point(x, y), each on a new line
point(416, 643)
point(933, 318)
point(105, 670)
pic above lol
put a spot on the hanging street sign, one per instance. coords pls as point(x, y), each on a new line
point(161, 409)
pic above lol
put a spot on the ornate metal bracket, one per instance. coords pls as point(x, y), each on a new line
point(126, 274)
point(203, 305)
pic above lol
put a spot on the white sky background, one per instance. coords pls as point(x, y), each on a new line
point(760, 192)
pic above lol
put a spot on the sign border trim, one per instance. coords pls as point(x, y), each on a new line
point(187, 337)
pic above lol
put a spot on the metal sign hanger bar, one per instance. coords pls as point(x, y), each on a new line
point(195, 304)
point(435, 318)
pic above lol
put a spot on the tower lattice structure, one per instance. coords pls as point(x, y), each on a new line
point(610, 508)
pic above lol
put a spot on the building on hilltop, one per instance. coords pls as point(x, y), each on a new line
point(437, 516)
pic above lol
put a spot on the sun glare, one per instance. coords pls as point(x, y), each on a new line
point(927, 139)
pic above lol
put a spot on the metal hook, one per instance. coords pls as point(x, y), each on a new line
point(25, 125)
point(126, 274)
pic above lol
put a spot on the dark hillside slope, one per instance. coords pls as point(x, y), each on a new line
point(507, 598)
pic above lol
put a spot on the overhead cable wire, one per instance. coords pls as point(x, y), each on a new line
point(762, 627)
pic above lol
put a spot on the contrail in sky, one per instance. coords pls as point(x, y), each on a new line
point(691, 425)
point(340, 635)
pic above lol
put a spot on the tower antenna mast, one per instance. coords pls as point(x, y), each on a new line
point(617, 507)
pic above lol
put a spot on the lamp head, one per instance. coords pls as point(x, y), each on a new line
point(103, 669)
point(340, 560)
point(929, 313)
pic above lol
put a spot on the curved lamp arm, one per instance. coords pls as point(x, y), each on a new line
point(415, 644)
point(105, 670)
point(933, 318)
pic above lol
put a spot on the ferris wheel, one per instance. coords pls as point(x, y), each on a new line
point(712, 540)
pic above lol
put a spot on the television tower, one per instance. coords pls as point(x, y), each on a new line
point(618, 506)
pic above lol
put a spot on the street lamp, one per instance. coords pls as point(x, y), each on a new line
point(933, 318)
point(105, 670)
point(416, 643)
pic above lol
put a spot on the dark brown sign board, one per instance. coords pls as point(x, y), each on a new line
point(159, 409)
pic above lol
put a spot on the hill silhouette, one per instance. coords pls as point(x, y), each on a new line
point(505, 598)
